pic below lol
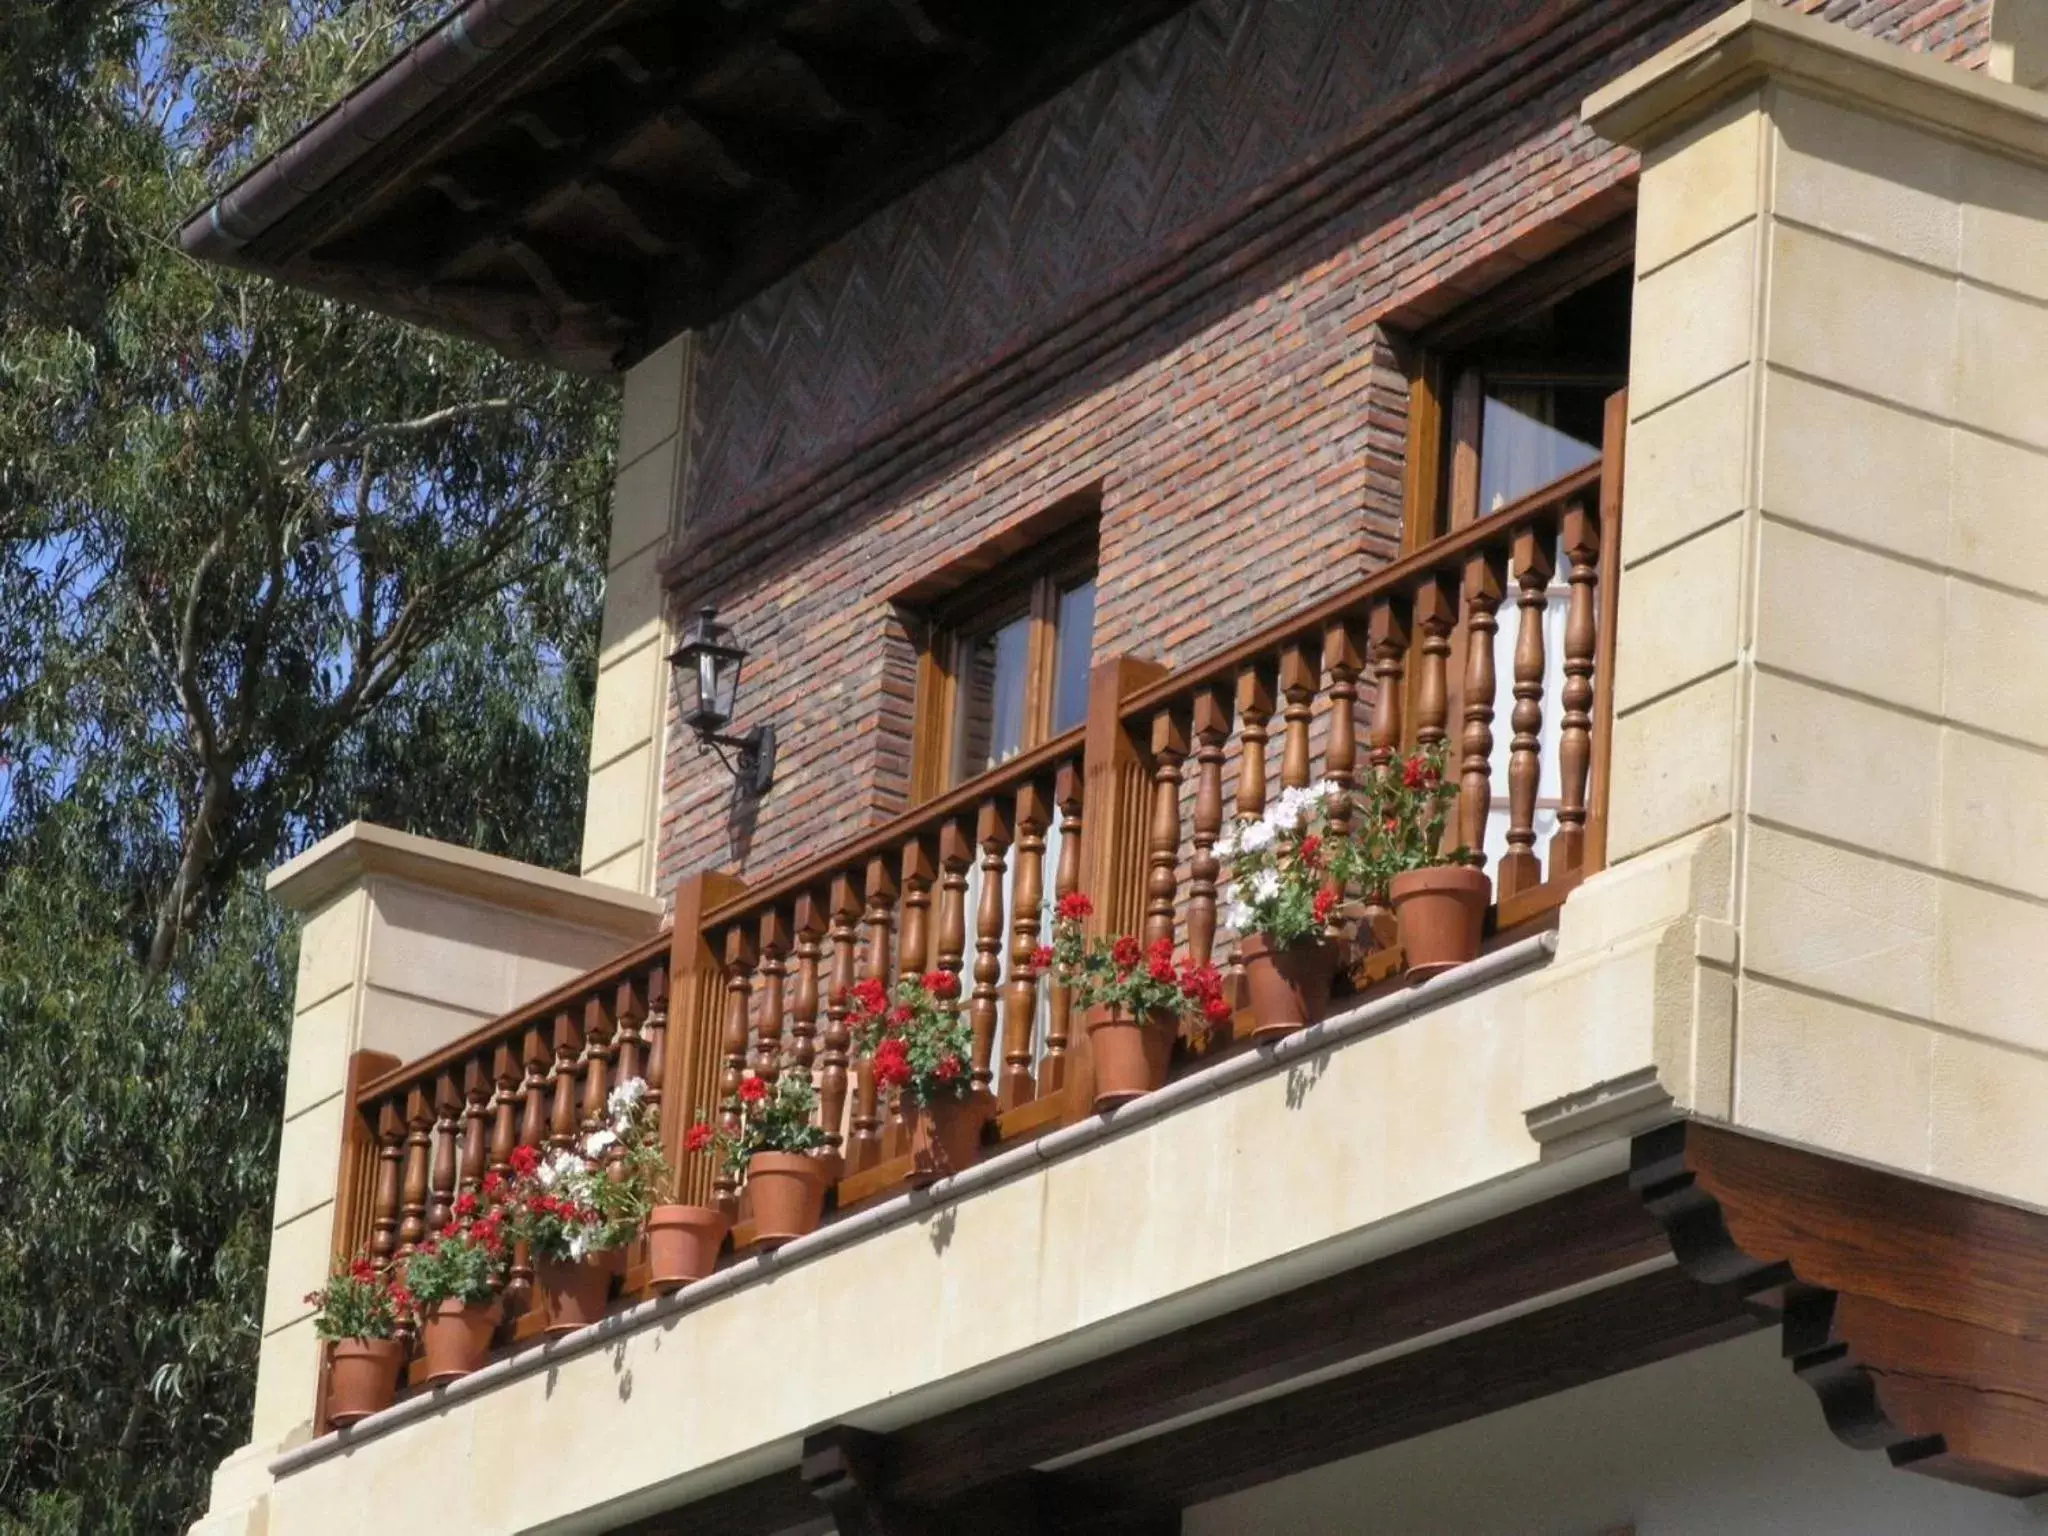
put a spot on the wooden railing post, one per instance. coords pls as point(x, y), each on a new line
point(1117, 773)
point(690, 1041)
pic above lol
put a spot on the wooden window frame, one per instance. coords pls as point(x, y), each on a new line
point(1026, 585)
point(1445, 402)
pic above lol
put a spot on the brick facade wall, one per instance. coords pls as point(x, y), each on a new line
point(1207, 335)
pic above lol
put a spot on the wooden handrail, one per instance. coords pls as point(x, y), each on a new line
point(541, 1010)
point(892, 834)
point(1443, 554)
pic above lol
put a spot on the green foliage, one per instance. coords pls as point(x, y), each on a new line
point(139, 1116)
point(266, 564)
point(359, 1301)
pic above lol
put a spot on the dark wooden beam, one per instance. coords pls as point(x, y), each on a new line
point(1918, 1315)
point(1581, 1236)
point(1633, 1324)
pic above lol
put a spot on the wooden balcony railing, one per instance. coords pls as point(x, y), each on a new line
point(1129, 808)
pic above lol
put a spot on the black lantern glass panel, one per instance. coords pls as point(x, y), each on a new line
point(707, 666)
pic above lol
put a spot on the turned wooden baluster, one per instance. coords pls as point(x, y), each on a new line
point(1485, 581)
point(1298, 679)
point(1344, 663)
point(412, 1203)
point(1162, 832)
point(1519, 868)
point(993, 832)
point(533, 1093)
point(506, 1073)
point(1575, 732)
point(768, 988)
point(845, 913)
point(1212, 730)
point(914, 936)
point(391, 1129)
point(628, 1062)
point(476, 1114)
point(654, 1032)
point(873, 1121)
point(1436, 615)
point(446, 1149)
point(803, 1009)
point(597, 1065)
point(1254, 712)
point(1387, 644)
point(1027, 900)
point(956, 858)
point(1067, 790)
point(739, 974)
point(565, 1087)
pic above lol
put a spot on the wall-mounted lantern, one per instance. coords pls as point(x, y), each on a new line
point(707, 670)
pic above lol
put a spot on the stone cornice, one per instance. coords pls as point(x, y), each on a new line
point(1760, 40)
point(363, 849)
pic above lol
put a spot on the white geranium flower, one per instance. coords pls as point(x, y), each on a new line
point(1322, 789)
point(579, 1245)
point(626, 1097)
point(1266, 886)
point(1226, 845)
point(598, 1142)
point(1237, 917)
point(1256, 836)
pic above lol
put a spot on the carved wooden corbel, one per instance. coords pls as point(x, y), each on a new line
point(1918, 1316)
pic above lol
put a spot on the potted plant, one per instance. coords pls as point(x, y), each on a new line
point(1136, 999)
point(918, 1043)
point(359, 1313)
point(777, 1135)
point(684, 1241)
point(576, 1208)
point(455, 1277)
point(1287, 882)
point(1439, 899)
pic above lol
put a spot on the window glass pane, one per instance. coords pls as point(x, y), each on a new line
point(1075, 633)
point(1532, 434)
point(993, 670)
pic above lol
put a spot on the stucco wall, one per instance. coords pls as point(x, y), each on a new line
point(1834, 617)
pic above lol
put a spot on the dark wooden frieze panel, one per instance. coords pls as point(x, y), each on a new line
point(1150, 148)
point(1919, 1316)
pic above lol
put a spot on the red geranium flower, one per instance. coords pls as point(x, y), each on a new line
point(494, 1186)
point(525, 1160)
point(1326, 902)
point(753, 1090)
point(465, 1205)
point(942, 984)
point(699, 1137)
point(1216, 1010)
point(870, 996)
point(947, 1070)
point(1311, 850)
point(1413, 771)
point(1041, 958)
point(892, 1063)
point(901, 1014)
point(1127, 953)
point(1159, 959)
point(1076, 905)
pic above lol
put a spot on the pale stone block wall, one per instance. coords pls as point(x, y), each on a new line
point(622, 813)
point(1377, 1143)
point(406, 944)
point(1835, 607)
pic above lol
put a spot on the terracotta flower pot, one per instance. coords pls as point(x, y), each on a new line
point(1442, 912)
point(456, 1337)
point(362, 1378)
point(788, 1191)
point(946, 1137)
point(1131, 1055)
point(1290, 986)
point(572, 1294)
point(683, 1243)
